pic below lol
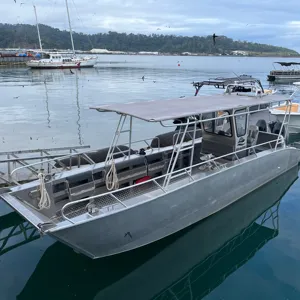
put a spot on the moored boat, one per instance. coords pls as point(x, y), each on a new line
point(285, 74)
point(54, 60)
point(211, 158)
point(58, 61)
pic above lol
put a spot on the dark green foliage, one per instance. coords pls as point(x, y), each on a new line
point(25, 36)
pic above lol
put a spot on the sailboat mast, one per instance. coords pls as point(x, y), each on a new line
point(37, 26)
point(71, 33)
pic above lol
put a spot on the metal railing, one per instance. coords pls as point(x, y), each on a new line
point(218, 167)
point(9, 161)
point(50, 159)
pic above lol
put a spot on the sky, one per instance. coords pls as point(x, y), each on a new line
point(263, 21)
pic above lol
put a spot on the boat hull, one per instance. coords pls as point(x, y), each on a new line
point(283, 77)
point(58, 65)
point(153, 220)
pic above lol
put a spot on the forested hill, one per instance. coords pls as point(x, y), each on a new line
point(25, 36)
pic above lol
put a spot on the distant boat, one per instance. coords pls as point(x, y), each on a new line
point(56, 60)
point(286, 73)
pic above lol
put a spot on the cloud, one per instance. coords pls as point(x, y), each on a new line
point(257, 21)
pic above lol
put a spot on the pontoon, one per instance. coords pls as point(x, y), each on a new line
point(134, 196)
point(285, 73)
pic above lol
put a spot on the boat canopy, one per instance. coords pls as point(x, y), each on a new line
point(287, 64)
point(171, 109)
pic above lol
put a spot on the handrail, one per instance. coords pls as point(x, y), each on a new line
point(50, 160)
point(154, 180)
point(59, 158)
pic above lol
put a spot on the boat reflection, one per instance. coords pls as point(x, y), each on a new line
point(189, 264)
point(15, 232)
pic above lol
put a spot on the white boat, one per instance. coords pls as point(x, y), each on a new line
point(285, 74)
point(278, 111)
point(130, 198)
point(56, 60)
point(241, 85)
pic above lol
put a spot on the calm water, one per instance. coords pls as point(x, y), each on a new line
point(239, 253)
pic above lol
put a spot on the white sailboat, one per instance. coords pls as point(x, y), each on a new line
point(56, 60)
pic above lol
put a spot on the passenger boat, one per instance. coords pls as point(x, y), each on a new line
point(285, 74)
point(211, 158)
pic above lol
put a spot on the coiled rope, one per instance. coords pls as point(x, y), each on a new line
point(44, 202)
point(112, 181)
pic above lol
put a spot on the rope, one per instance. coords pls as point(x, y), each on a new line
point(112, 181)
point(45, 202)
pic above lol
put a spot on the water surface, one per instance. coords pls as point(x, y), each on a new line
point(243, 252)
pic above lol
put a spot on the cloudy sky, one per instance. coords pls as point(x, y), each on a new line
point(264, 21)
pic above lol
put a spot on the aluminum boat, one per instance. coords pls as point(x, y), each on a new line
point(211, 157)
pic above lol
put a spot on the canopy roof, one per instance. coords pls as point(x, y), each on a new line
point(287, 64)
point(162, 110)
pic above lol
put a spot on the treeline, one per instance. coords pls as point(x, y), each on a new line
point(25, 36)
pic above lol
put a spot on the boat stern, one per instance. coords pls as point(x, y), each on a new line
point(32, 215)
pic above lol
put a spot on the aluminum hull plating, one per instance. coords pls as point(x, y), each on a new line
point(157, 218)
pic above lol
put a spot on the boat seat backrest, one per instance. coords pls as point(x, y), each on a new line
point(217, 146)
point(169, 138)
point(262, 125)
point(156, 163)
point(132, 169)
point(264, 137)
point(97, 156)
point(252, 135)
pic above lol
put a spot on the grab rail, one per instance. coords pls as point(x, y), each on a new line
point(181, 171)
point(80, 155)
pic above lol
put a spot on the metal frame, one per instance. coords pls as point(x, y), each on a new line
point(43, 156)
point(174, 174)
point(222, 83)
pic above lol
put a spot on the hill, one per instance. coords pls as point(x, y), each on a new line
point(25, 36)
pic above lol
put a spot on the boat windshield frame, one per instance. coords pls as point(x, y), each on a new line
point(223, 82)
